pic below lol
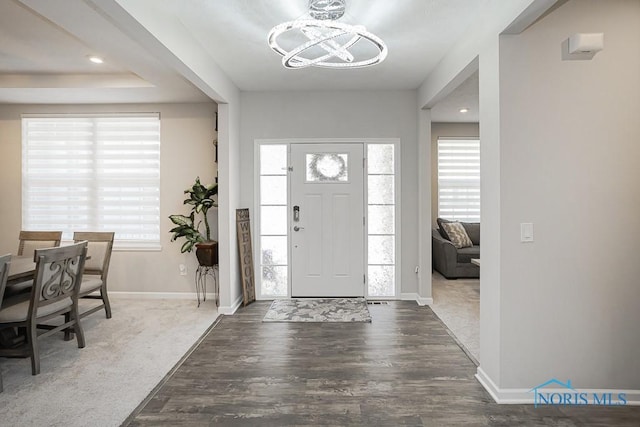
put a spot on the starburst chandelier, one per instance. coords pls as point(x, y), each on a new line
point(323, 42)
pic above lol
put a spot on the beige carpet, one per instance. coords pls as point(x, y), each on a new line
point(457, 304)
point(101, 384)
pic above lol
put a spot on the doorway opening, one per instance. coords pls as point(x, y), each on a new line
point(455, 153)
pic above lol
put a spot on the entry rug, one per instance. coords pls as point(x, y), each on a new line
point(318, 310)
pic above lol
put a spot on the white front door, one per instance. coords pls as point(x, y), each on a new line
point(327, 220)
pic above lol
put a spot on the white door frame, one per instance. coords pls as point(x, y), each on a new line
point(398, 205)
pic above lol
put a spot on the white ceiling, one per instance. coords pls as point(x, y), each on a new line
point(464, 96)
point(45, 44)
point(417, 32)
point(44, 52)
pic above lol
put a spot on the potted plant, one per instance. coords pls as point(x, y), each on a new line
point(200, 197)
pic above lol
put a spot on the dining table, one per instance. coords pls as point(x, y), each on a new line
point(22, 268)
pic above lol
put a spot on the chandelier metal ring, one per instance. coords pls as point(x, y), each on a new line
point(326, 41)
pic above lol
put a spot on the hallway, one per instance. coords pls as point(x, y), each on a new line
point(401, 369)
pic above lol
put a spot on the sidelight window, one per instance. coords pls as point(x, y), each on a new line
point(381, 229)
point(273, 220)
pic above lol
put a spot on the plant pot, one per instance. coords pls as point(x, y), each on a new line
point(207, 253)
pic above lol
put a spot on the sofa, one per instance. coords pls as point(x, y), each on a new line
point(451, 262)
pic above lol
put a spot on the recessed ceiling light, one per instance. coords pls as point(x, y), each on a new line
point(96, 59)
point(464, 110)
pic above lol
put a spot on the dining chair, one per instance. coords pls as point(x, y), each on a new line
point(55, 292)
point(32, 240)
point(29, 242)
point(96, 268)
point(5, 263)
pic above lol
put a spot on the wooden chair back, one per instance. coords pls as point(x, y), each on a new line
point(100, 246)
point(5, 263)
point(32, 240)
point(58, 276)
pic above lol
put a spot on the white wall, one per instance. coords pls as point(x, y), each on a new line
point(388, 114)
point(460, 61)
point(445, 130)
point(490, 226)
point(569, 164)
point(168, 39)
point(229, 160)
point(186, 152)
point(424, 208)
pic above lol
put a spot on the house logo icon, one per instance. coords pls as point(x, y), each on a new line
point(555, 392)
point(539, 392)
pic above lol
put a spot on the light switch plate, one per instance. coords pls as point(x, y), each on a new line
point(526, 232)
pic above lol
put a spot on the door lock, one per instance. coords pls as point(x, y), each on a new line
point(296, 228)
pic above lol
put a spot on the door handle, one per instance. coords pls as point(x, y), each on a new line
point(296, 228)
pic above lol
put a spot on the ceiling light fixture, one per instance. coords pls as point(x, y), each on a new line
point(328, 42)
point(464, 110)
point(96, 59)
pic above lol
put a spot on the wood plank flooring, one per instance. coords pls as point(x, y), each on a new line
point(403, 369)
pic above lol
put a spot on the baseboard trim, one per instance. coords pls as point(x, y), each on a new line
point(524, 396)
point(424, 301)
point(490, 386)
point(417, 298)
point(229, 310)
point(159, 295)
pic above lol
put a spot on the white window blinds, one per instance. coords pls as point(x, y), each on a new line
point(89, 173)
point(459, 179)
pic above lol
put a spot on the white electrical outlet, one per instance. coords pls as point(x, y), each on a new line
point(183, 270)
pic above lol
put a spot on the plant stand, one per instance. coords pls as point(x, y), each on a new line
point(201, 283)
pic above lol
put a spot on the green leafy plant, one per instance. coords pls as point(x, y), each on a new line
point(201, 199)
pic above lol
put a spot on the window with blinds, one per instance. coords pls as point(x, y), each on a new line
point(93, 173)
point(459, 179)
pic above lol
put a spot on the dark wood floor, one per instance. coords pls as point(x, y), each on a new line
point(401, 369)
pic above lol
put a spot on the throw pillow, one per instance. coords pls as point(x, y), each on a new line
point(473, 231)
point(457, 234)
point(441, 229)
